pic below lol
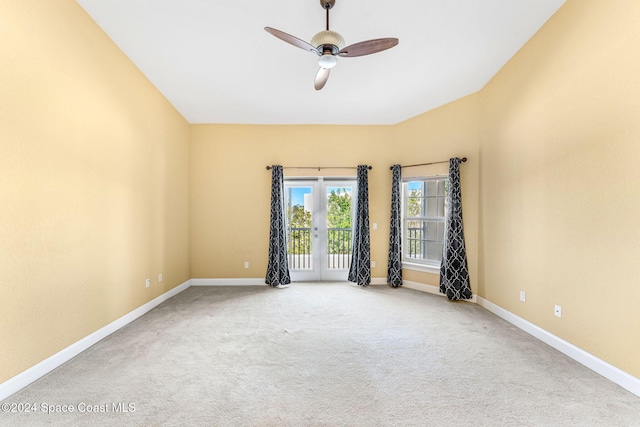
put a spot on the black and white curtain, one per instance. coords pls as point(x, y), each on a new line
point(278, 268)
point(394, 266)
point(360, 269)
point(454, 272)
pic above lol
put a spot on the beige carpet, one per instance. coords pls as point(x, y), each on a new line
point(329, 354)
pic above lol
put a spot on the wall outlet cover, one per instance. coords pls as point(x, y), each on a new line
point(557, 311)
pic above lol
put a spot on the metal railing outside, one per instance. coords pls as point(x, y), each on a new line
point(419, 247)
point(415, 243)
point(339, 248)
point(299, 248)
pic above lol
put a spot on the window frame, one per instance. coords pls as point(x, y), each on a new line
point(422, 264)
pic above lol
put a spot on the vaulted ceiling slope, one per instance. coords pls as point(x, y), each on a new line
point(215, 63)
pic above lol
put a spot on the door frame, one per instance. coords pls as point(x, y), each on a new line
point(319, 270)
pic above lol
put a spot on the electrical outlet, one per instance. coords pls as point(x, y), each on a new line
point(246, 264)
point(147, 283)
point(557, 311)
point(375, 226)
point(160, 277)
point(373, 263)
point(523, 296)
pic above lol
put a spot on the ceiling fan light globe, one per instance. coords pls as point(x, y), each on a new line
point(327, 61)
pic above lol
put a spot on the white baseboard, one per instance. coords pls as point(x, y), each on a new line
point(378, 281)
point(430, 289)
point(228, 282)
point(257, 282)
point(34, 373)
point(610, 372)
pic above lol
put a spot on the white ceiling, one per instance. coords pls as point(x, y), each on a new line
point(215, 63)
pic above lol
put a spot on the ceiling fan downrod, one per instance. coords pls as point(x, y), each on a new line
point(327, 5)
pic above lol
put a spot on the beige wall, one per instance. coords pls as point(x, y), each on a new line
point(93, 183)
point(448, 131)
point(560, 180)
point(230, 187)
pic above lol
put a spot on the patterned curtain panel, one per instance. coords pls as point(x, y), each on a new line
point(277, 269)
point(360, 269)
point(454, 273)
point(394, 269)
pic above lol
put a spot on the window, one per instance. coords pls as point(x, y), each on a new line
point(424, 204)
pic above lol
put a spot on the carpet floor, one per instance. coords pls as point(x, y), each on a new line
point(321, 354)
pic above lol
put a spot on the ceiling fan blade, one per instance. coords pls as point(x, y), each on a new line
point(321, 78)
point(292, 40)
point(368, 47)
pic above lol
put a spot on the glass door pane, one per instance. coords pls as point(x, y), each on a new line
point(299, 220)
point(338, 197)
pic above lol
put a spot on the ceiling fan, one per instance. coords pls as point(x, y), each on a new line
point(329, 44)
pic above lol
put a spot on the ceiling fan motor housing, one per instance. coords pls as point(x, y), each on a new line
point(328, 40)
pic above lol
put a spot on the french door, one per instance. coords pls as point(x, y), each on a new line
point(319, 217)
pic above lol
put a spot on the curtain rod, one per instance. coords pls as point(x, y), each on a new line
point(319, 167)
point(464, 159)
